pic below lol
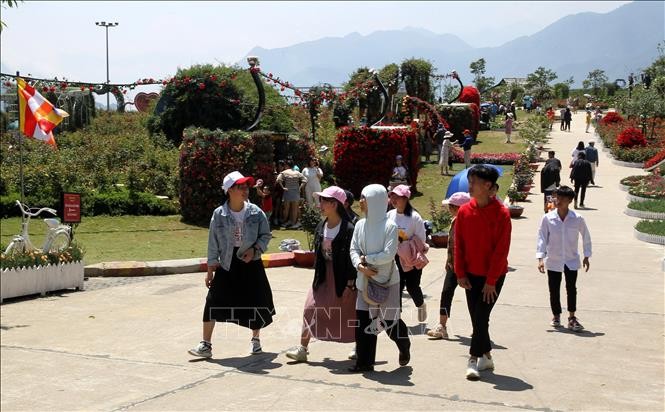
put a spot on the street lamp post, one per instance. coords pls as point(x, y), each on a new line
point(108, 81)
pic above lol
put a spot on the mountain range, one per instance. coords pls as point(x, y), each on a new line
point(621, 41)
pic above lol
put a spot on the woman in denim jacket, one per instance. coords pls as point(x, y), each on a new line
point(239, 291)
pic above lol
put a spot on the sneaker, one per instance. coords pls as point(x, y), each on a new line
point(422, 312)
point(255, 346)
point(440, 332)
point(485, 363)
point(472, 370)
point(404, 357)
point(296, 226)
point(203, 350)
point(574, 325)
point(353, 355)
point(556, 322)
point(298, 354)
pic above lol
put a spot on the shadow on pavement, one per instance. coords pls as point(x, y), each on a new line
point(583, 334)
point(396, 377)
point(463, 340)
point(505, 383)
point(259, 364)
point(418, 329)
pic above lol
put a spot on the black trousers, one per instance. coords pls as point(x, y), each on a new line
point(554, 283)
point(366, 338)
point(580, 187)
point(480, 314)
point(447, 293)
point(410, 280)
point(567, 125)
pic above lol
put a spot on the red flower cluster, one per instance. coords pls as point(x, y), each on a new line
point(364, 156)
point(470, 95)
point(611, 117)
point(486, 158)
point(659, 157)
point(631, 137)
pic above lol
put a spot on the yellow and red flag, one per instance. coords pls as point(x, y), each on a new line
point(37, 116)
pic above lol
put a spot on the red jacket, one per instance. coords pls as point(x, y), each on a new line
point(482, 240)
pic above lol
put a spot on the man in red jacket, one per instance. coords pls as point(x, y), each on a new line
point(482, 242)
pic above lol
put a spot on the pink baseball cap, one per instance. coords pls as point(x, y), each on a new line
point(333, 192)
point(402, 190)
point(457, 199)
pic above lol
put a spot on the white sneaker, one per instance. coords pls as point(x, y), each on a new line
point(255, 346)
point(440, 332)
point(203, 350)
point(353, 355)
point(298, 354)
point(472, 370)
point(422, 312)
point(485, 363)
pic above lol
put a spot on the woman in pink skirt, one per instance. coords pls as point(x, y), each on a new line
point(330, 309)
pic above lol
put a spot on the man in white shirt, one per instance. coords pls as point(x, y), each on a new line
point(557, 250)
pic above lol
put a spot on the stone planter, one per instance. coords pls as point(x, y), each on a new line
point(515, 211)
point(439, 240)
point(628, 164)
point(646, 237)
point(41, 279)
point(633, 198)
point(642, 214)
point(624, 188)
point(304, 258)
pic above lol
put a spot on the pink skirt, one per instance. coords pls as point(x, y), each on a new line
point(327, 316)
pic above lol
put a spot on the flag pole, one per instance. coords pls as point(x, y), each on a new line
point(20, 141)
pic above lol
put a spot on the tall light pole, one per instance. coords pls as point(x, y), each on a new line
point(106, 26)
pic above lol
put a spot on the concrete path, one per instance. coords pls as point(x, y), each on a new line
point(122, 345)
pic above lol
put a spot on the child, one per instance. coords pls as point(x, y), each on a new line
point(450, 283)
point(482, 242)
point(263, 191)
point(400, 174)
point(557, 249)
point(509, 127)
point(466, 145)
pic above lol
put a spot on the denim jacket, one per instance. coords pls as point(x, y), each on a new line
point(255, 233)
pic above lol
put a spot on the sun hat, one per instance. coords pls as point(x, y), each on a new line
point(402, 190)
point(236, 178)
point(510, 115)
point(457, 199)
point(466, 132)
point(333, 192)
point(398, 157)
point(448, 134)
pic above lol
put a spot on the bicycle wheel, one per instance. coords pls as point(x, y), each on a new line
point(15, 247)
point(60, 242)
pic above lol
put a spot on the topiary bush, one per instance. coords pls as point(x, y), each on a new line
point(631, 137)
point(364, 156)
point(459, 117)
point(611, 117)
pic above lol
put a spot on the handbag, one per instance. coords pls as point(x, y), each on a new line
point(374, 293)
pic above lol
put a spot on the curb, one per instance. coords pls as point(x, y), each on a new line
point(646, 237)
point(633, 198)
point(628, 164)
point(153, 268)
point(644, 215)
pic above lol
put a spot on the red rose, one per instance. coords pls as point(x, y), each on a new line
point(202, 86)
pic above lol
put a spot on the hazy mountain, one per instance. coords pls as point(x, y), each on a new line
point(618, 42)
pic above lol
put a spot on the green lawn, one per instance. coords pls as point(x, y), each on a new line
point(648, 206)
point(653, 227)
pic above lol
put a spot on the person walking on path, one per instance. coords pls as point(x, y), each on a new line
point(313, 174)
point(330, 308)
point(353, 216)
point(557, 250)
point(410, 225)
point(567, 117)
point(292, 182)
point(592, 157)
point(588, 120)
point(373, 250)
point(446, 147)
point(466, 145)
point(453, 203)
point(581, 175)
point(482, 243)
point(238, 288)
point(508, 125)
point(576, 151)
point(562, 115)
point(550, 116)
point(550, 178)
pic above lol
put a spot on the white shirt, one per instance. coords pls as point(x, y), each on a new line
point(239, 218)
point(399, 172)
point(558, 240)
point(408, 226)
point(312, 174)
point(329, 235)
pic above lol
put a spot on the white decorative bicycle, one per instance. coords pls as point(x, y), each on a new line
point(58, 236)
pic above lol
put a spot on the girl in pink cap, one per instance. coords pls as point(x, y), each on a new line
point(330, 308)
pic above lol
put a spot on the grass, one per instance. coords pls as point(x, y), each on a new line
point(652, 227)
point(657, 206)
point(145, 238)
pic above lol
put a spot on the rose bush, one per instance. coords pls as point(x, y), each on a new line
point(631, 137)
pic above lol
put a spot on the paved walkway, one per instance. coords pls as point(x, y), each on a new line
point(123, 345)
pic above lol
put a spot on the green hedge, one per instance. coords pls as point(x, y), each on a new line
point(652, 227)
point(657, 206)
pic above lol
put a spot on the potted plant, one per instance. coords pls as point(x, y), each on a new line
point(441, 219)
point(514, 196)
point(309, 219)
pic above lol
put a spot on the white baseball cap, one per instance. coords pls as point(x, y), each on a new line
point(236, 178)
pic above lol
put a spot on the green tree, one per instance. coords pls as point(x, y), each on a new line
point(416, 76)
point(595, 81)
point(7, 4)
point(481, 81)
point(538, 83)
point(561, 90)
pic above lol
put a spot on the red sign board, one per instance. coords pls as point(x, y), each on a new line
point(71, 208)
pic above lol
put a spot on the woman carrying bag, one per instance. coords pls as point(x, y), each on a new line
point(373, 250)
point(330, 313)
point(239, 291)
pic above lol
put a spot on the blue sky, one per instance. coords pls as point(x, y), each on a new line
point(59, 38)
